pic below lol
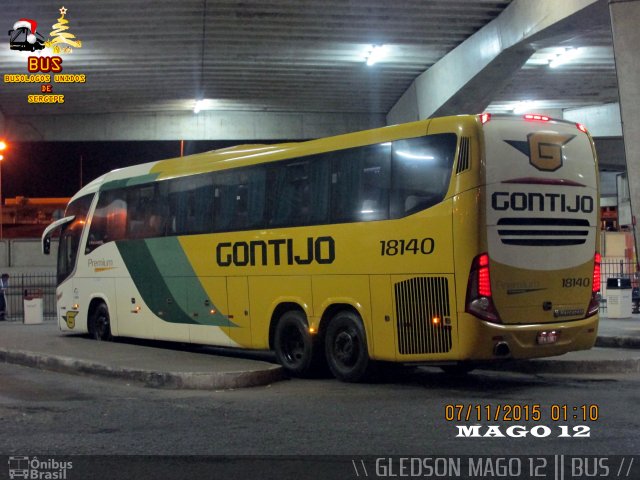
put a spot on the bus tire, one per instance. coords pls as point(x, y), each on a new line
point(99, 323)
point(295, 348)
point(346, 347)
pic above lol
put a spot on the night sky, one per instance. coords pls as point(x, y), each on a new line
point(52, 169)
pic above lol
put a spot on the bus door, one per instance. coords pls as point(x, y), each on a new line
point(239, 314)
point(207, 305)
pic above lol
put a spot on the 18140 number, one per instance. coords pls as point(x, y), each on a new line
point(576, 282)
point(415, 246)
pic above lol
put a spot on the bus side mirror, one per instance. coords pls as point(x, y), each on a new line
point(46, 235)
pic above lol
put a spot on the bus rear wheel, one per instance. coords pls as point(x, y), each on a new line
point(99, 323)
point(346, 347)
point(296, 350)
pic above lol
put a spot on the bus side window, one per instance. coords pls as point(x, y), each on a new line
point(360, 184)
point(421, 172)
point(225, 200)
point(239, 199)
point(299, 191)
point(187, 205)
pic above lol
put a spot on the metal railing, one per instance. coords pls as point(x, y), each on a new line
point(29, 284)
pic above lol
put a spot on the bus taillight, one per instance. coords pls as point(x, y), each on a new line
point(594, 304)
point(479, 299)
point(597, 259)
point(536, 116)
point(485, 117)
point(484, 281)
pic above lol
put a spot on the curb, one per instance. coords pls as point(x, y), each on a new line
point(154, 379)
point(631, 365)
point(618, 342)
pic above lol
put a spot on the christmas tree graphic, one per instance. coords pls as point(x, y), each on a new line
point(61, 36)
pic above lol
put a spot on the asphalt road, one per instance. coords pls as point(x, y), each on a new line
point(59, 414)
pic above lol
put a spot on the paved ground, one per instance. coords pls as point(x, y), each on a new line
point(170, 365)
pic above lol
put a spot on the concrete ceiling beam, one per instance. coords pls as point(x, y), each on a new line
point(465, 79)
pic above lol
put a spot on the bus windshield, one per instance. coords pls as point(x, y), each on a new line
point(70, 236)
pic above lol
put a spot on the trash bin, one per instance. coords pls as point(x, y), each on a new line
point(618, 297)
point(33, 306)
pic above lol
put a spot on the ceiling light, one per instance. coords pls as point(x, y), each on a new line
point(198, 106)
point(375, 53)
point(564, 57)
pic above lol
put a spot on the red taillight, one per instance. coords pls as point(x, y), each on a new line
point(594, 304)
point(484, 281)
point(535, 116)
point(479, 301)
point(485, 117)
point(597, 259)
point(582, 128)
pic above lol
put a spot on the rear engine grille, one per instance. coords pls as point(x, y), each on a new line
point(463, 155)
point(418, 301)
point(543, 232)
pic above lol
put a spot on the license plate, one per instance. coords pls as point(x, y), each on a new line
point(548, 337)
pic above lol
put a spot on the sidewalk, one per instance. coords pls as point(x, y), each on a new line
point(172, 365)
point(155, 364)
point(619, 333)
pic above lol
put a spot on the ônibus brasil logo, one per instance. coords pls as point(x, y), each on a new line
point(33, 468)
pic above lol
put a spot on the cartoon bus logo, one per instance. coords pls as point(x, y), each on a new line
point(18, 467)
point(23, 36)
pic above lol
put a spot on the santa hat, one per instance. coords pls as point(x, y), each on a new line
point(30, 24)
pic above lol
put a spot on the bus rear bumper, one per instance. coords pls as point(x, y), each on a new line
point(481, 340)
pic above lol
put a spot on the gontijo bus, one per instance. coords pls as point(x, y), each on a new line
point(446, 241)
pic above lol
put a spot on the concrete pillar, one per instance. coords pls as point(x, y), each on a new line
point(625, 18)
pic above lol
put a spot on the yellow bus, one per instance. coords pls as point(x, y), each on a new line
point(446, 241)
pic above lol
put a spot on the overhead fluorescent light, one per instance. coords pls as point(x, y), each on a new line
point(375, 53)
point(198, 106)
point(564, 57)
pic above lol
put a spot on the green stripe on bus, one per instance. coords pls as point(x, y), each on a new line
point(175, 268)
point(129, 182)
point(163, 276)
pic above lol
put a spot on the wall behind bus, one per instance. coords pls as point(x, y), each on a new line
point(25, 255)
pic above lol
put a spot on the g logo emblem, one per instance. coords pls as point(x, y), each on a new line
point(545, 150)
point(70, 318)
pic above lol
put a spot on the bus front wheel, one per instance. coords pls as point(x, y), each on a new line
point(346, 347)
point(294, 346)
point(99, 324)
